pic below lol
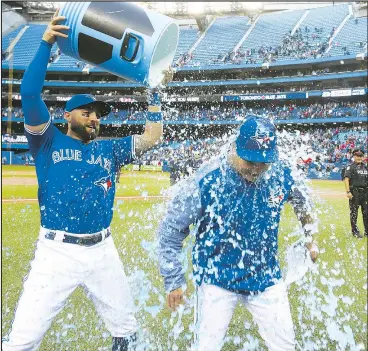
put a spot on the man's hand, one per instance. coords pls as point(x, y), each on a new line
point(53, 29)
point(175, 298)
point(313, 250)
point(349, 195)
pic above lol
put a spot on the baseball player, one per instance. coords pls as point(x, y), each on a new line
point(76, 177)
point(356, 186)
point(235, 204)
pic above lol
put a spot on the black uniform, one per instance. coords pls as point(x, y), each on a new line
point(358, 181)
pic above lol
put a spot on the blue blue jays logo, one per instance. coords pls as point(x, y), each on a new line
point(262, 137)
point(105, 183)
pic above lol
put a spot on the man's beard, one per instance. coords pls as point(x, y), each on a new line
point(249, 173)
point(83, 133)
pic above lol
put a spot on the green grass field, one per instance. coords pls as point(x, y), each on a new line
point(329, 309)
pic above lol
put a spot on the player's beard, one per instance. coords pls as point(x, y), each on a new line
point(251, 174)
point(85, 133)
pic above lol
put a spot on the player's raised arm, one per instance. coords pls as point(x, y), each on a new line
point(36, 115)
point(183, 210)
point(154, 125)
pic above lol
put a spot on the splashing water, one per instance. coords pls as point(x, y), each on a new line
point(325, 297)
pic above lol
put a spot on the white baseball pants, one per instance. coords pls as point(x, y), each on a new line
point(270, 311)
point(57, 269)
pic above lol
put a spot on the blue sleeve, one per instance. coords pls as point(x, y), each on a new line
point(41, 140)
point(124, 151)
point(34, 109)
point(183, 210)
point(299, 194)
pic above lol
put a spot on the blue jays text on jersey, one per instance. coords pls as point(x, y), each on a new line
point(76, 180)
point(237, 225)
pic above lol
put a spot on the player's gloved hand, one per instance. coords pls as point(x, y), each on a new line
point(313, 250)
point(175, 298)
point(53, 29)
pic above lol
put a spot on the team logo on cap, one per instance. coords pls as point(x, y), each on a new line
point(105, 183)
point(262, 137)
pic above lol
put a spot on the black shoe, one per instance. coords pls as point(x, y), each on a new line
point(358, 235)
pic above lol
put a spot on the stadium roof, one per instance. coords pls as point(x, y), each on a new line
point(180, 8)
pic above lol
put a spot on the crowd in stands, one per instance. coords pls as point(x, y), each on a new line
point(229, 112)
point(327, 110)
point(331, 148)
point(12, 112)
point(335, 145)
point(306, 43)
point(183, 60)
point(174, 151)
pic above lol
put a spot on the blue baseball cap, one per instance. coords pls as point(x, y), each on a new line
point(84, 100)
point(257, 141)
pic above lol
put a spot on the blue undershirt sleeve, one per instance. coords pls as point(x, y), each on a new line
point(183, 210)
point(124, 151)
point(34, 109)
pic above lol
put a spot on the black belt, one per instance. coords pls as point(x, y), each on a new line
point(360, 188)
point(85, 240)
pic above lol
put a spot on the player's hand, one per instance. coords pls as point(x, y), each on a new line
point(313, 250)
point(349, 195)
point(175, 298)
point(53, 29)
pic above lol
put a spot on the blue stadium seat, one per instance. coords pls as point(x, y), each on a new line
point(352, 38)
point(270, 30)
point(8, 38)
point(320, 23)
point(221, 38)
point(187, 38)
point(27, 46)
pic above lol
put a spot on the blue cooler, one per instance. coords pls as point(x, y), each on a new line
point(121, 38)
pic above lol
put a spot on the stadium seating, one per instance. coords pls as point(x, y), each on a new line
point(345, 42)
point(66, 62)
point(27, 46)
point(7, 39)
point(225, 33)
point(320, 23)
point(221, 37)
point(269, 31)
point(187, 38)
point(287, 112)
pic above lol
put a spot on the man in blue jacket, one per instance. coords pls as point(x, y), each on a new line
point(76, 177)
point(235, 203)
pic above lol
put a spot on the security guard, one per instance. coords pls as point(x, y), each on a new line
point(356, 185)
